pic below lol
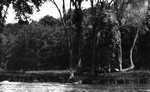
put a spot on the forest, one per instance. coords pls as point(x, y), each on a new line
point(109, 36)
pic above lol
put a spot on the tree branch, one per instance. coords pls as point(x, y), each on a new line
point(53, 1)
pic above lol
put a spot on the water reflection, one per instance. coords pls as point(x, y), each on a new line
point(56, 87)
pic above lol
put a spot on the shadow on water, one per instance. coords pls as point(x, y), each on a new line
point(7, 86)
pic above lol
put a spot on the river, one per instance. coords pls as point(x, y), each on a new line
point(6, 86)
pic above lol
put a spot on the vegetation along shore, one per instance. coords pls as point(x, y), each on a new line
point(107, 43)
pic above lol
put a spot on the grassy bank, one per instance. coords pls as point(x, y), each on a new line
point(35, 76)
point(138, 76)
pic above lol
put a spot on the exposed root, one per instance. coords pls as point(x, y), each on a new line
point(128, 69)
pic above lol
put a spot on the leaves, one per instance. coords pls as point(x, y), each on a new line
point(135, 13)
point(23, 8)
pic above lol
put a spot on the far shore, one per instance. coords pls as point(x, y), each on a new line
point(62, 76)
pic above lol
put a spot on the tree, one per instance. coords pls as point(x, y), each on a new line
point(122, 9)
point(120, 12)
point(99, 14)
point(34, 46)
point(94, 34)
point(77, 21)
point(23, 8)
point(137, 18)
point(68, 37)
point(49, 21)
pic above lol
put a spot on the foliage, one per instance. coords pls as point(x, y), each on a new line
point(49, 21)
point(22, 8)
point(42, 45)
point(34, 46)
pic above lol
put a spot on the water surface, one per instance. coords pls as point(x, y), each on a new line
point(57, 87)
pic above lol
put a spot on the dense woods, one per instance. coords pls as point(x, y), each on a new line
point(109, 36)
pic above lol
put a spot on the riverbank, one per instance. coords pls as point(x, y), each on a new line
point(62, 76)
point(35, 76)
point(135, 76)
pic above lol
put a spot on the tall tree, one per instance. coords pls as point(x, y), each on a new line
point(77, 20)
point(68, 37)
point(136, 18)
point(98, 14)
point(94, 33)
point(122, 9)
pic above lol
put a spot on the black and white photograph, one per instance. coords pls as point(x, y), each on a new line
point(74, 45)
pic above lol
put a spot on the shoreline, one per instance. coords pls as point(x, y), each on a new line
point(134, 76)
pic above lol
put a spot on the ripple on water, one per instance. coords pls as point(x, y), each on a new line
point(7, 86)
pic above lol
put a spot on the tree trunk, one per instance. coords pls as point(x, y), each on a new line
point(79, 31)
point(93, 13)
point(70, 59)
point(71, 47)
point(93, 56)
point(66, 32)
point(131, 53)
point(78, 25)
point(118, 41)
point(120, 57)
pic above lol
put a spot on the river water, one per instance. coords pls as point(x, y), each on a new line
point(6, 86)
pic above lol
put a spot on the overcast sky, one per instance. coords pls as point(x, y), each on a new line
point(46, 9)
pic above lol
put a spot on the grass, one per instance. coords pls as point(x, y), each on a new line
point(61, 76)
point(35, 76)
point(134, 76)
point(50, 71)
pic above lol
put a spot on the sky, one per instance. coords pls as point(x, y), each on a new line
point(46, 9)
